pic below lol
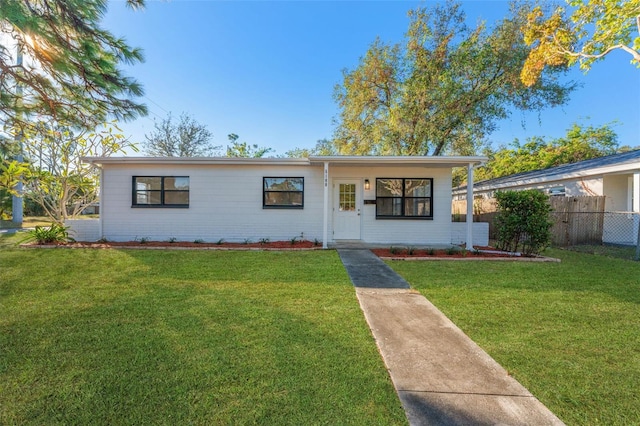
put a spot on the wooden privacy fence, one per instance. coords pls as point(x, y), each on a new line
point(576, 220)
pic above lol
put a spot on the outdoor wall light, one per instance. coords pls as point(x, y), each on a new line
point(367, 185)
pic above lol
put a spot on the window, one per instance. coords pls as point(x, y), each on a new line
point(347, 202)
point(160, 191)
point(400, 198)
point(557, 190)
point(283, 192)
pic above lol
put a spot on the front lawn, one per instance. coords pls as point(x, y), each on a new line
point(569, 332)
point(185, 337)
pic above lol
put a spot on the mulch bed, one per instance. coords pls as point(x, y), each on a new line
point(271, 245)
point(481, 253)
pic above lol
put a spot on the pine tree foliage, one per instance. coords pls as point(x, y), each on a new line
point(71, 70)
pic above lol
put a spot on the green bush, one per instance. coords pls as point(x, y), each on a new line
point(523, 221)
point(53, 234)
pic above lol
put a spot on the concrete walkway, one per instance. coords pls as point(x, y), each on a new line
point(442, 377)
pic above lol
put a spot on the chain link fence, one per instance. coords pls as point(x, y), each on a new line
point(579, 223)
point(612, 233)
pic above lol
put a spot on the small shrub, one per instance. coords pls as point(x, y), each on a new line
point(411, 251)
point(451, 251)
point(263, 241)
point(316, 242)
point(55, 233)
point(103, 240)
point(247, 241)
point(523, 221)
point(431, 252)
point(198, 241)
point(142, 240)
point(476, 252)
point(293, 240)
point(220, 241)
point(395, 250)
point(172, 240)
point(464, 252)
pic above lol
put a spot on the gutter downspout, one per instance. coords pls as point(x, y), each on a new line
point(325, 213)
point(470, 207)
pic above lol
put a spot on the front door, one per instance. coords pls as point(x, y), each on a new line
point(346, 210)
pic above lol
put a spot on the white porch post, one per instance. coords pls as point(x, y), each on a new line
point(470, 206)
point(636, 192)
point(325, 215)
point(101, 204)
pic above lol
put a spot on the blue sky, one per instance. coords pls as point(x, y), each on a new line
point(266, 70)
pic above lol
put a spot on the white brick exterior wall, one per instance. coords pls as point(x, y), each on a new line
point(418, 231)
point(225, 201)
point(480, 233)
point(83, 229)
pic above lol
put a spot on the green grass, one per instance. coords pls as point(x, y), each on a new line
point(185, 337)
point(569, 332)
point(28, 222)
point(621, 252)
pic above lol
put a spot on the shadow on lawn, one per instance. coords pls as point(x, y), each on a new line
point(170, 338)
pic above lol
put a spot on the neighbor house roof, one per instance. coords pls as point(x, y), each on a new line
point(610, 164)
point(442, 161)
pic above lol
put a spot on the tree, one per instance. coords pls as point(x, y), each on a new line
point(10, 172)
point(243, 149)
point(589, 32)
point(441, 91)
point(58, 180)
point(187, 138)
point(71, 72)
point(323, 147)
point(579, 144)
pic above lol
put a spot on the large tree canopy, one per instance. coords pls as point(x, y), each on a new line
point(580, 143)
point(243, 149)
point(586, 32)
point(441, 91)
point(186, 138)
point(71, 69)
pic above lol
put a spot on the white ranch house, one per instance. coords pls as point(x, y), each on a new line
point(377, 200)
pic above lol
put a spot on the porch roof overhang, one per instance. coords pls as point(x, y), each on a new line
point(418, 160)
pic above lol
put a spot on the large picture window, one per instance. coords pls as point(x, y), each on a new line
point(283, 193)
point(404, 198)
point(160, 191)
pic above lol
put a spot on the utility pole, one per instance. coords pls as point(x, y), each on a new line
point(17, 205)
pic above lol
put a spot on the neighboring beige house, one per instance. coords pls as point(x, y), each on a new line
point(617, 177)
point(386, 200)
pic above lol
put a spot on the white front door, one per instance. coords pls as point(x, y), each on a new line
point(346, 210)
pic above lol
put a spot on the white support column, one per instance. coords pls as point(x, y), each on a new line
point(470, 206)
point(325, 215)
point(101, 204)
point(636, 192)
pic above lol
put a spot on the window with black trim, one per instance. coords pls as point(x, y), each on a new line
point(404, 198)
point(283, 192)
point(160, 191)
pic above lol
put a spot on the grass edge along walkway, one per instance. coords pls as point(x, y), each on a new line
point(171, 337)
point(569, 331)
